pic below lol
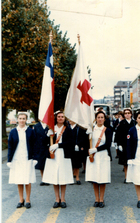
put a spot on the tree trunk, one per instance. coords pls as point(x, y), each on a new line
point(4, 121)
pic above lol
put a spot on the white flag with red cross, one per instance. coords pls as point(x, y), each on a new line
point(79, 106)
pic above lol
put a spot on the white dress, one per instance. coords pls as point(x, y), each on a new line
point(58, 171)
point(22, 170)
point(133, 172)
point(98, 171)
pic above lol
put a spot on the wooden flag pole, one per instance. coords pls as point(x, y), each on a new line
point(78, 36)
point(51, 36)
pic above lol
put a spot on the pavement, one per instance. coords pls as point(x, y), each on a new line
point(4, 154)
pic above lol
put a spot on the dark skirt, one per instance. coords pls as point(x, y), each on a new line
point(76, 160)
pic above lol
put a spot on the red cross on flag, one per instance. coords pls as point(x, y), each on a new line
point(79, 106)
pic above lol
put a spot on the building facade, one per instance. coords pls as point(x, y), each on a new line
point(136, 91)
point(122, 92)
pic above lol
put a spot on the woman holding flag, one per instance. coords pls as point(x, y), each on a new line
point(98, 170)
point(58, 171)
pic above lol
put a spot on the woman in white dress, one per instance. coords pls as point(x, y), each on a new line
point(133, 156)
point(20, 158)
point(98, 171)
point(58, 171)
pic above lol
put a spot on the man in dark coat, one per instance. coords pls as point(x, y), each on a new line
point(42, 146)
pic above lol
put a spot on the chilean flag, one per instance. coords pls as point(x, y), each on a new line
point(79, 106)
point(46, 106)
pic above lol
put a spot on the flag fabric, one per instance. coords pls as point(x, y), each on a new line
point(79, 106)
point(46, 106)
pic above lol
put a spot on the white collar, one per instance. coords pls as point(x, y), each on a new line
point(128, 121)
point(22, 129)
point(44, 125)
point(137, 127)
point(57, 129)
point(98, 128)
point(72, 126)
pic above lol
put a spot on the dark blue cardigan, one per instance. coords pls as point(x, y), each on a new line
point(14, 140)
point(107, 145)
point(132, 143)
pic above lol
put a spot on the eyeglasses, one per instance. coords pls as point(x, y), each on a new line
point(127, 113)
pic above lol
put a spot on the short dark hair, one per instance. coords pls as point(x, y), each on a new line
point(65, 122)
point(121, 113)
point(100, 112)
point(127, 109)
point(138, 113)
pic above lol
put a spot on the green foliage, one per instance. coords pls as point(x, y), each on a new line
point(25, 36)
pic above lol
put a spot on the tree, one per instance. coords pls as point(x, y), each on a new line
point(25, 36)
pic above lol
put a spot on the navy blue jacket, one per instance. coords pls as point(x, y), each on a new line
point(107, 145)
point(42, 144)
point(132, 143)
point(67, 142)
point(14, 140)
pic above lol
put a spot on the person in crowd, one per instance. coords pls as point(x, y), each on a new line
point(58, 171)
point(42, 147)
point(78, 138)
point(22, 158)
point(133, 156)
point(116, 124)
point(115, 117)
point(84, 151)
point(98, 171)
point(122, 132)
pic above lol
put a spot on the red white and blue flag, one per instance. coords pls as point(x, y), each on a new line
point(46, 106)
point(79, 106)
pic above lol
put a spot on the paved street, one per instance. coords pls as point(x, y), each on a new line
point(120, 201)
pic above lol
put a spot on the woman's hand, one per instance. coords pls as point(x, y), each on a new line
point(76, 148)
point(129, 162)
point(35, 162)
point(50, 132)
point(9, 164)
point(92, 150)
point(120, 148)
point(53, 147)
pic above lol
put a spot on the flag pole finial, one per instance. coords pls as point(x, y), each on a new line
point(51, 36)
point(78, 36)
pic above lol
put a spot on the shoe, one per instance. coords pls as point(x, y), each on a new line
point(28, 205)
point(78, 182)
point(125, 181)
point(101, 204)
point(20, 205)
point(83, 171)
point(56, 205)
point(44, 184)
point(116, 157)
point(74, 176)
point(138, 204)
point(63, 205)
point(96, 204)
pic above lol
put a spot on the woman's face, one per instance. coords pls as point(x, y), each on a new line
point(127, 114)
point(60, 118)
point(138, 120)
point(22, 120)
point(121, 117)
point(100, 119)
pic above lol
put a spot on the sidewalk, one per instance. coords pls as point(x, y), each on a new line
point(4, 154)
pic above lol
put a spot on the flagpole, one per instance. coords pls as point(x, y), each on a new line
point(51, 136)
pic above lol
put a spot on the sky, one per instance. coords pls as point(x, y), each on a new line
point(110, 35)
